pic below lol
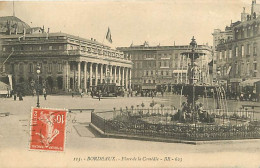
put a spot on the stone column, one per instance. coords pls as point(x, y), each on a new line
point(115, 74)
point(67, 76)
point(85, 76)
point(96, 75)
point(106, 71)
point(90, 74)
point(123, 77)
point(126, 79)
point(101, 73)
point(110, 74)
point(119, 76)
point(79, 80)
point(130, 78)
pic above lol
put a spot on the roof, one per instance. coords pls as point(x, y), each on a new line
point(57, 34)
point(14, 23)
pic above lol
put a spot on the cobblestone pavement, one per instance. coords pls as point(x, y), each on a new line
point(82, 142)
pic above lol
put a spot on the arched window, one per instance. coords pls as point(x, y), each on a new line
point(31, 68)
point(21, 67)
point(255, 49)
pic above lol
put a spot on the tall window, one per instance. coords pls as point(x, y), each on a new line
point(242, 51)
point(12, 68)
point(220, 55)
point(59, 67)
point(40, 47)
point(247, 67)
point(248, 31)
point(255, 49)
point(236, 67)
point(230, 53)
point(236, 51)
point(242, 70)
point(255, 66)
point(50, 67)
point(30, 67)
point(248, 49)
point(21, 67)
point(50, 47)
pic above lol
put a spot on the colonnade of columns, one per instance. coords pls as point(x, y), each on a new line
point(84, 75)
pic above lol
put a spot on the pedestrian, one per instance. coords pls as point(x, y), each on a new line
point(92, 94)
point(99, 95)
point(15, 95)
point(44, 94)
point(81, 94)
point(20, 97)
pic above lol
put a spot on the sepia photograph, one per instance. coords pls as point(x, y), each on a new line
point(130, 83)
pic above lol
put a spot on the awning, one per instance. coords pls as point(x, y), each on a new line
point(179, 71)
point(149, 87)
point(235, 80)
point(249, 82)
point(3, 86)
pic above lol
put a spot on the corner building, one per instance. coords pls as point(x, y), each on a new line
point(237, 59)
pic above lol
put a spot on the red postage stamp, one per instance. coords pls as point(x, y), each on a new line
point(48, 129)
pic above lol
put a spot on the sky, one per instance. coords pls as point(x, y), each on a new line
point(130, 21)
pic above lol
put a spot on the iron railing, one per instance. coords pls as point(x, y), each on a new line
point(109, 124)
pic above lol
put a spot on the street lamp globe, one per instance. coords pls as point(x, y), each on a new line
point(38, 71)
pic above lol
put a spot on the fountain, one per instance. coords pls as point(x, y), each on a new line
point(191, 111)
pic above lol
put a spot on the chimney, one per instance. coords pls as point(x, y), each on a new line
point(244, 15)
point(43, 29)
point(24, 32)
point(91, 39)
point(48, 30)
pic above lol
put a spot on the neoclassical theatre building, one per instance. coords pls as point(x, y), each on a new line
point(66, 62)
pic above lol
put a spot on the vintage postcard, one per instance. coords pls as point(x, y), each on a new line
point(127, 83)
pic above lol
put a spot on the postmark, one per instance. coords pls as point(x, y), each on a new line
point(48, 129)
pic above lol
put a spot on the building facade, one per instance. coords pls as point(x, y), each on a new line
point(237, 58)
point(165, 65)
point(66, 62)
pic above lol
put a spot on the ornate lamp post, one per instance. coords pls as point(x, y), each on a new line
point(38, 84)
point(218, 76)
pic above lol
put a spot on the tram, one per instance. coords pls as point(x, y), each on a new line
point(108, 90)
